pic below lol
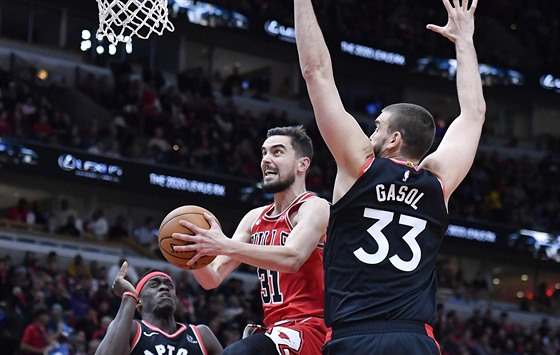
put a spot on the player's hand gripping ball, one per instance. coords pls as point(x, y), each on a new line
point(170, 225)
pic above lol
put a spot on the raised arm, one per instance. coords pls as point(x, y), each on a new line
point(310, 225)
point(121, 329)
point(454, 157)
point(346, 140)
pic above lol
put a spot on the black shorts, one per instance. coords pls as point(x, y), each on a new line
point(383, 337)
point(252, 345)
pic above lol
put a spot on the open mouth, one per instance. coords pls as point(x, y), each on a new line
point(165, 295)
point(267, 172)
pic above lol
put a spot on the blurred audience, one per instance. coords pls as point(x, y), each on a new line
point(90, 306)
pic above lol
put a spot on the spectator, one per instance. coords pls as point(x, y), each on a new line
point(118, 230)
point(5, 279)
point(56, 319)
point(80, 345)
point(77, 269)
point(98, 225)
point(35, 338)
point(60, 295)
point(70, 227)
point(131, 276)
point(6, 128)
point(36, 215)
point(100, 332)
point(82, 310)
point(480, 286)
point(60, 216)
point(19, 212)
point(42, 129)
point(158, 146)
point(60, 344)
point(147, 234)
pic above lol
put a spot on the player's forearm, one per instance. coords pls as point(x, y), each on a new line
point(270, 257)
point(469, 84)
point(207, 277)
point(116, 341)
point(313, 53)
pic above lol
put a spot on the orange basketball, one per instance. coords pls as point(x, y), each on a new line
point(170, 225)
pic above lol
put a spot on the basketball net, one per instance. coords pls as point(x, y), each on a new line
point(120, 20)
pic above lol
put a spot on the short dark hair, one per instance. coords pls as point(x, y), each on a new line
point(300, 140)
point(39, 312)
point(416, 126)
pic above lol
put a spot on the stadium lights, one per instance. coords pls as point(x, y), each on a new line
point(87, 43)
point(42, 74)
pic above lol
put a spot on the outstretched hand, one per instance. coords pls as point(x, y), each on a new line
point(121, 285)
point(460, 20)
point(205, 241)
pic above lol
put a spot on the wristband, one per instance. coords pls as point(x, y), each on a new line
point(131, 294)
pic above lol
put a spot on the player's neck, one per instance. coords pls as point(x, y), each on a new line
point(168, 325)
point(284, 199)
point(400, 157)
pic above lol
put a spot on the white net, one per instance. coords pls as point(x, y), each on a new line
point(120, 20)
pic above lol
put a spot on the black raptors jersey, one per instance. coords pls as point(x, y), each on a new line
point(382, 242)
point(150, 340)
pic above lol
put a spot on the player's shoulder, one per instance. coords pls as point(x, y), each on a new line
point(255, 212)
point(203, 327)
point(314, 200)
point(314, 206)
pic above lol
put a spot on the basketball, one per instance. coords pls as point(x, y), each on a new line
point(170, 225)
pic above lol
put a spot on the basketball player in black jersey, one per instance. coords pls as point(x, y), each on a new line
point(389, 211)
point(157, 333)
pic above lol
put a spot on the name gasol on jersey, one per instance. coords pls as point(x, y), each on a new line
point(398, 193)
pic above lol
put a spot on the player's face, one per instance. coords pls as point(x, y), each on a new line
point(158, 296)
point(380, 136)
point(278, 164)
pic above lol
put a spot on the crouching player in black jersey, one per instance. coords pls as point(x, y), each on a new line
point(157, 333)
point(389, 211)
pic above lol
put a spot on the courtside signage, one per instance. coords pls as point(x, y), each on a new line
point(182, 184)
point(479, 235)
point(73, 165)
point(378, 55)
point(550, 82)
point(284, 33)
point(89, 168)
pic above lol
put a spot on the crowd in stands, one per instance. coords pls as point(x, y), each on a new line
point(66, 221)
point(520, 35)
point(72, 306)
point(185, 126)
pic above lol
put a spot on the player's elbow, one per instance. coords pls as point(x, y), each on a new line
point(313, 72)
point(207, 283)
point(476, 112)
point(481, 110)
point(294, 263)
point(292, 268)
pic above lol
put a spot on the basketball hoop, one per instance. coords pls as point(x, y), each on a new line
point(120, 20)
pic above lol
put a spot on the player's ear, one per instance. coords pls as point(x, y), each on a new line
point(304, 163)
point(396, 138)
